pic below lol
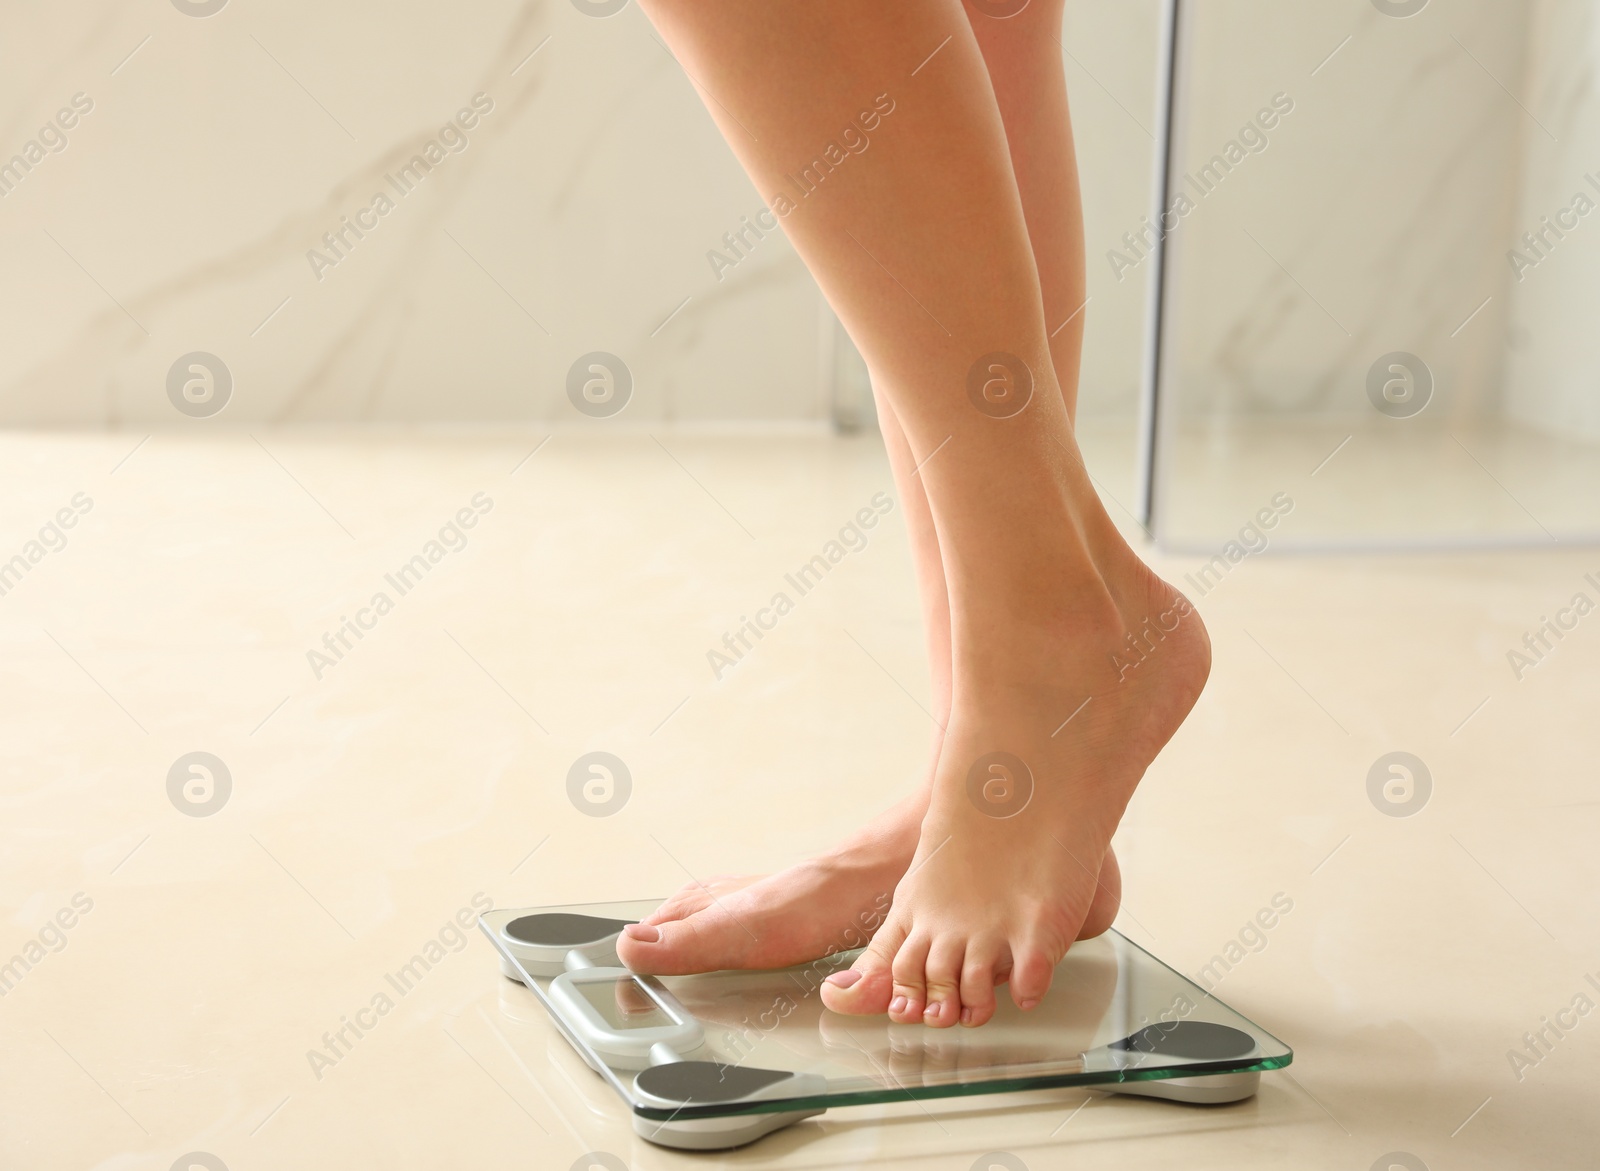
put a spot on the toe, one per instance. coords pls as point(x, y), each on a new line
point(978, 979)
point(867, 986)
point(643, 947)
point(705, 941)
point(696, 896)
point(685, 902)
point(1031, 972)
point(942, 980)
point(910, 979)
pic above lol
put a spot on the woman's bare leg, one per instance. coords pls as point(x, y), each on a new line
point(1023, 54)
point(921, 245)
point(811, 908)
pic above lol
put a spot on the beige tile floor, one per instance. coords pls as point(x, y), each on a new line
point(1381, 482)
point(426, 769)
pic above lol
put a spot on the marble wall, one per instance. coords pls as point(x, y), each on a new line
point(186, 204)
point(1372, 217)
point(1553, 256)
point(188, 208)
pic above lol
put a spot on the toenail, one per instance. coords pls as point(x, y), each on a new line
point(933, 1011)
point(1027, 1004)
point(966, 1016)
point(898, 1004)
point(643, 932)
point(843, 979)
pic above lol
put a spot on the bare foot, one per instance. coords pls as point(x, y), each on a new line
point(1025, 800)
point(823, 905)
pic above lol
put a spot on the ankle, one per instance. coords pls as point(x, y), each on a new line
point(876, 845)
point(990, 640)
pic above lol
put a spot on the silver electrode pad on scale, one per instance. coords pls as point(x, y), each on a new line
point(716, 1060)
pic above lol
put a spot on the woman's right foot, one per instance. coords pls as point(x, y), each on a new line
point(1000, 885)
point(831, 903)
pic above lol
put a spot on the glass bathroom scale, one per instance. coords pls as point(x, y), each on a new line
point(716, 1060)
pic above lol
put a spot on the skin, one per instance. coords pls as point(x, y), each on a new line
point(956, 234)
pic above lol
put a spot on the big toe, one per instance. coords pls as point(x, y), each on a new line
point(866, 987)
point(696, 896)
point(703, 941)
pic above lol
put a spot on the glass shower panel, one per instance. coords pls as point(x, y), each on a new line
point(1383, 275)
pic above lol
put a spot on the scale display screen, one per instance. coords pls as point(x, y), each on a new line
point(624, 1004)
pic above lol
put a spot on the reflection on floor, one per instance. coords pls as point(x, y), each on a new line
point(391, 650)
point(1380, 484)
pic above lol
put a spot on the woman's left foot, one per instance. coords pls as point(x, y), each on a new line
point(834, 902)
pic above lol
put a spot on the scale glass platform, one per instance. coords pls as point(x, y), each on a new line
point(716, 1060)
